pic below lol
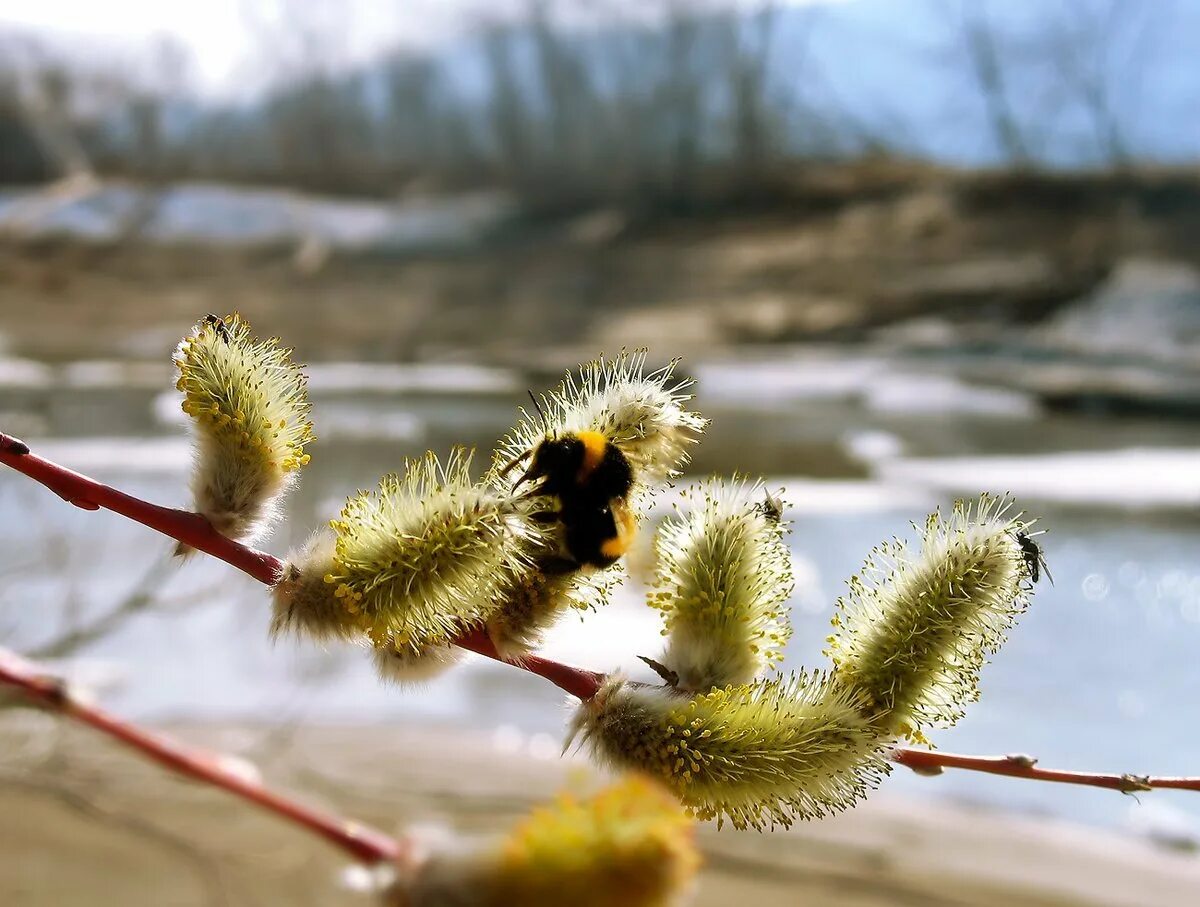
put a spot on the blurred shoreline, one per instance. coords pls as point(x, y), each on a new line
point(1079, 289)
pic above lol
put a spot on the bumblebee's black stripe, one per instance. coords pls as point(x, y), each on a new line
point(613, 477)
point(588, 527)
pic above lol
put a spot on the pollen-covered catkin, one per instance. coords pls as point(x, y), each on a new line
point(416, 562)
point(249, 406)
point(627, 846)
point(723, 580)
point(761, 754)
point(642, 413)
point(533, 600)
point(916, 627)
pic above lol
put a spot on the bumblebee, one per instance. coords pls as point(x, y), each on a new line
point(591, 479)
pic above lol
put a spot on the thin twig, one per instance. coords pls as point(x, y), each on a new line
point(931, 762)
point(137, 600)
point(579, 682)
point(194, 530)
point(362, 842)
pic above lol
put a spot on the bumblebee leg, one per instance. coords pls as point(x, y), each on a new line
point(558, 566)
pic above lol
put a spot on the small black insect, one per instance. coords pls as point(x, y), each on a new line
point(217, 325)
point(1035, 561)
point(772, 507)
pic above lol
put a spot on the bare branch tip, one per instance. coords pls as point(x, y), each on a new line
point(11, 445)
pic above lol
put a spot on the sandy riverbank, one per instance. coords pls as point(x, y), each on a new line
point(84, 823)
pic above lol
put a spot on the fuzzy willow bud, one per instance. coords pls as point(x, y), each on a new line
point(762, 754)
point(723, 581)
point(917, 627)
point(249, 405)
point(533, 600)
point(413, 563)
point(627, 846)
point(641, 413)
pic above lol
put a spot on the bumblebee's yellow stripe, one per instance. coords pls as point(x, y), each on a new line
point(626, 529)
point(594, 445)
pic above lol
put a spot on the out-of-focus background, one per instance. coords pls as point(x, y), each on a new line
point(908, 250)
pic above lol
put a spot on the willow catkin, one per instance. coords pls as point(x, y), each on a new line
point(917, 626)
point(249, 407)
point(763, 754)
point(415, 562)
point(722, 583)
point(642, 413)
point(627, 846)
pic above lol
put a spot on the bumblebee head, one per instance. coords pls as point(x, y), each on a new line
point(555, 460)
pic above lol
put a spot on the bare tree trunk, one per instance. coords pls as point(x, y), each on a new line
point(748, 83)
point(506, 106)
point(990, 75)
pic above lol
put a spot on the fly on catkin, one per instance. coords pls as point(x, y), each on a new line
point(761, 754)
point(412, 564)
point(627, 846)
point(249, 406)
point(917, 626)
point(723, 580)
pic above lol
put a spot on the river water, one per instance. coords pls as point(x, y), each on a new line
point(1101, 674)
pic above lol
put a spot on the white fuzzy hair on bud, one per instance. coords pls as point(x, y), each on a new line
point(303, 602)
point(414, 664)
point(917, 627)
point(723, 580)
point(764, 754)
point(249, 406)
point(641, 413)
point(416, 562)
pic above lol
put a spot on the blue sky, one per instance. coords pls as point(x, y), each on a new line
point(228, 38)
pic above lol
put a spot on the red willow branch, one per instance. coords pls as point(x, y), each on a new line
point(194, 530)
point(181, 525)
point(361, 842)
